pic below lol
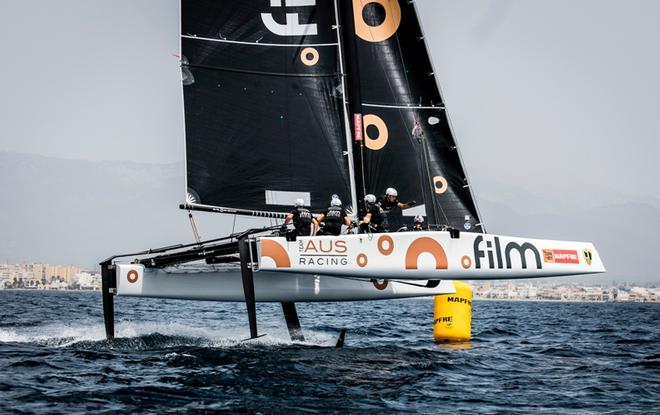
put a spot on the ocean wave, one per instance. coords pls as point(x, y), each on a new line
point(171, 355)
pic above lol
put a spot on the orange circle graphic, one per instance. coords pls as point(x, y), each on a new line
point(384, 241)
point(380, 285)
point(309, 56)
point(383, 31)
point(362, 260)
point(466, 262)
point(132, 276)
point(439, 180)
point(383, 134)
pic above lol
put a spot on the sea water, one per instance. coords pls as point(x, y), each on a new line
point(525, 357)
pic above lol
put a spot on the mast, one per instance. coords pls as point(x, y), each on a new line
point(355, 202)
point(352, 93)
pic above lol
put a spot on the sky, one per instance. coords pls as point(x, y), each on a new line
point(554, 106)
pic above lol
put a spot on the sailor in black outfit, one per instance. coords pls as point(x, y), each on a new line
point(390, 200)
point(333, 218)
point(302, 219)
point(374, 221)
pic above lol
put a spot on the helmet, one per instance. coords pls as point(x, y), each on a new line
point(299, 202)
point(335, 202)
point(371, 199)
point(391, 192)
point(419, 219)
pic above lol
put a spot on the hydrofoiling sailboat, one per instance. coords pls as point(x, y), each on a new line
point(288, 99)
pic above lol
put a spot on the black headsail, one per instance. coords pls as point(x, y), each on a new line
point(408, 143)
point(263, 104)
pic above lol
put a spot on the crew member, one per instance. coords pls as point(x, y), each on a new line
point(390, 200)
point(333, 218)
point(374, 221)
point(302, 219)
point(418, 224)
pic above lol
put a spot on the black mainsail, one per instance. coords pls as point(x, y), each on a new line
point(407, 141)
point(263, 105)
point(269, 88)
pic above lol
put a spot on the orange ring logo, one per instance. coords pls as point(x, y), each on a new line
point(385, 245)
point(426, 245)
point(132, 276)
point(383, 31)
point(309, 56)
point(383, 135)
point(443, 184)
point(466, 262)
point(380, 285)
point(362, 260)
point(274, 251)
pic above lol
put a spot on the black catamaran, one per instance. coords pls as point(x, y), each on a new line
point(289, 99)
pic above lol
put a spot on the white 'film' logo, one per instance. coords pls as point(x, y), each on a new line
point(292, 27)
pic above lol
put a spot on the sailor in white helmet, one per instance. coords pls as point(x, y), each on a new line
point(302, 219)
point(333, 218)
point(374, 221)
point(418, 224)
point(391, 200)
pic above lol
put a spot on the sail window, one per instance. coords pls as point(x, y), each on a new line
point(414, 211)
point(286, 198)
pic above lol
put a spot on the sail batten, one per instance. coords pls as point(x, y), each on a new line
point(238, 42)
point(281, 74)
point(422, 107)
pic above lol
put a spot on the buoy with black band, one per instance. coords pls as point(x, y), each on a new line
point(452, 317)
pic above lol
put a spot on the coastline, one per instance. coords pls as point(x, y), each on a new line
point(516, 300)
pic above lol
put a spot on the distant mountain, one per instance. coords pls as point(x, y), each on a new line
point(79, 212)
point(76, 211)
point(554, 196)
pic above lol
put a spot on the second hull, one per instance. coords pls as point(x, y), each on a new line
point(225, 284)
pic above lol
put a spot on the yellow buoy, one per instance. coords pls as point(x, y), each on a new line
point(452, 317)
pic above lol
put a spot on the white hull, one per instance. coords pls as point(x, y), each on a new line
point(428, 255)
point(341, 268)
point(225, 284)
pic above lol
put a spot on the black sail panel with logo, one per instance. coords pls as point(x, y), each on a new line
point(263, 104)
point(408, 142)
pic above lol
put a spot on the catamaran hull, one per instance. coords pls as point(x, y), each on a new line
point(428, 255)
point(225, 284)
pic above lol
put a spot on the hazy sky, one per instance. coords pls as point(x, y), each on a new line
point(566, 91)
point(559, 99)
